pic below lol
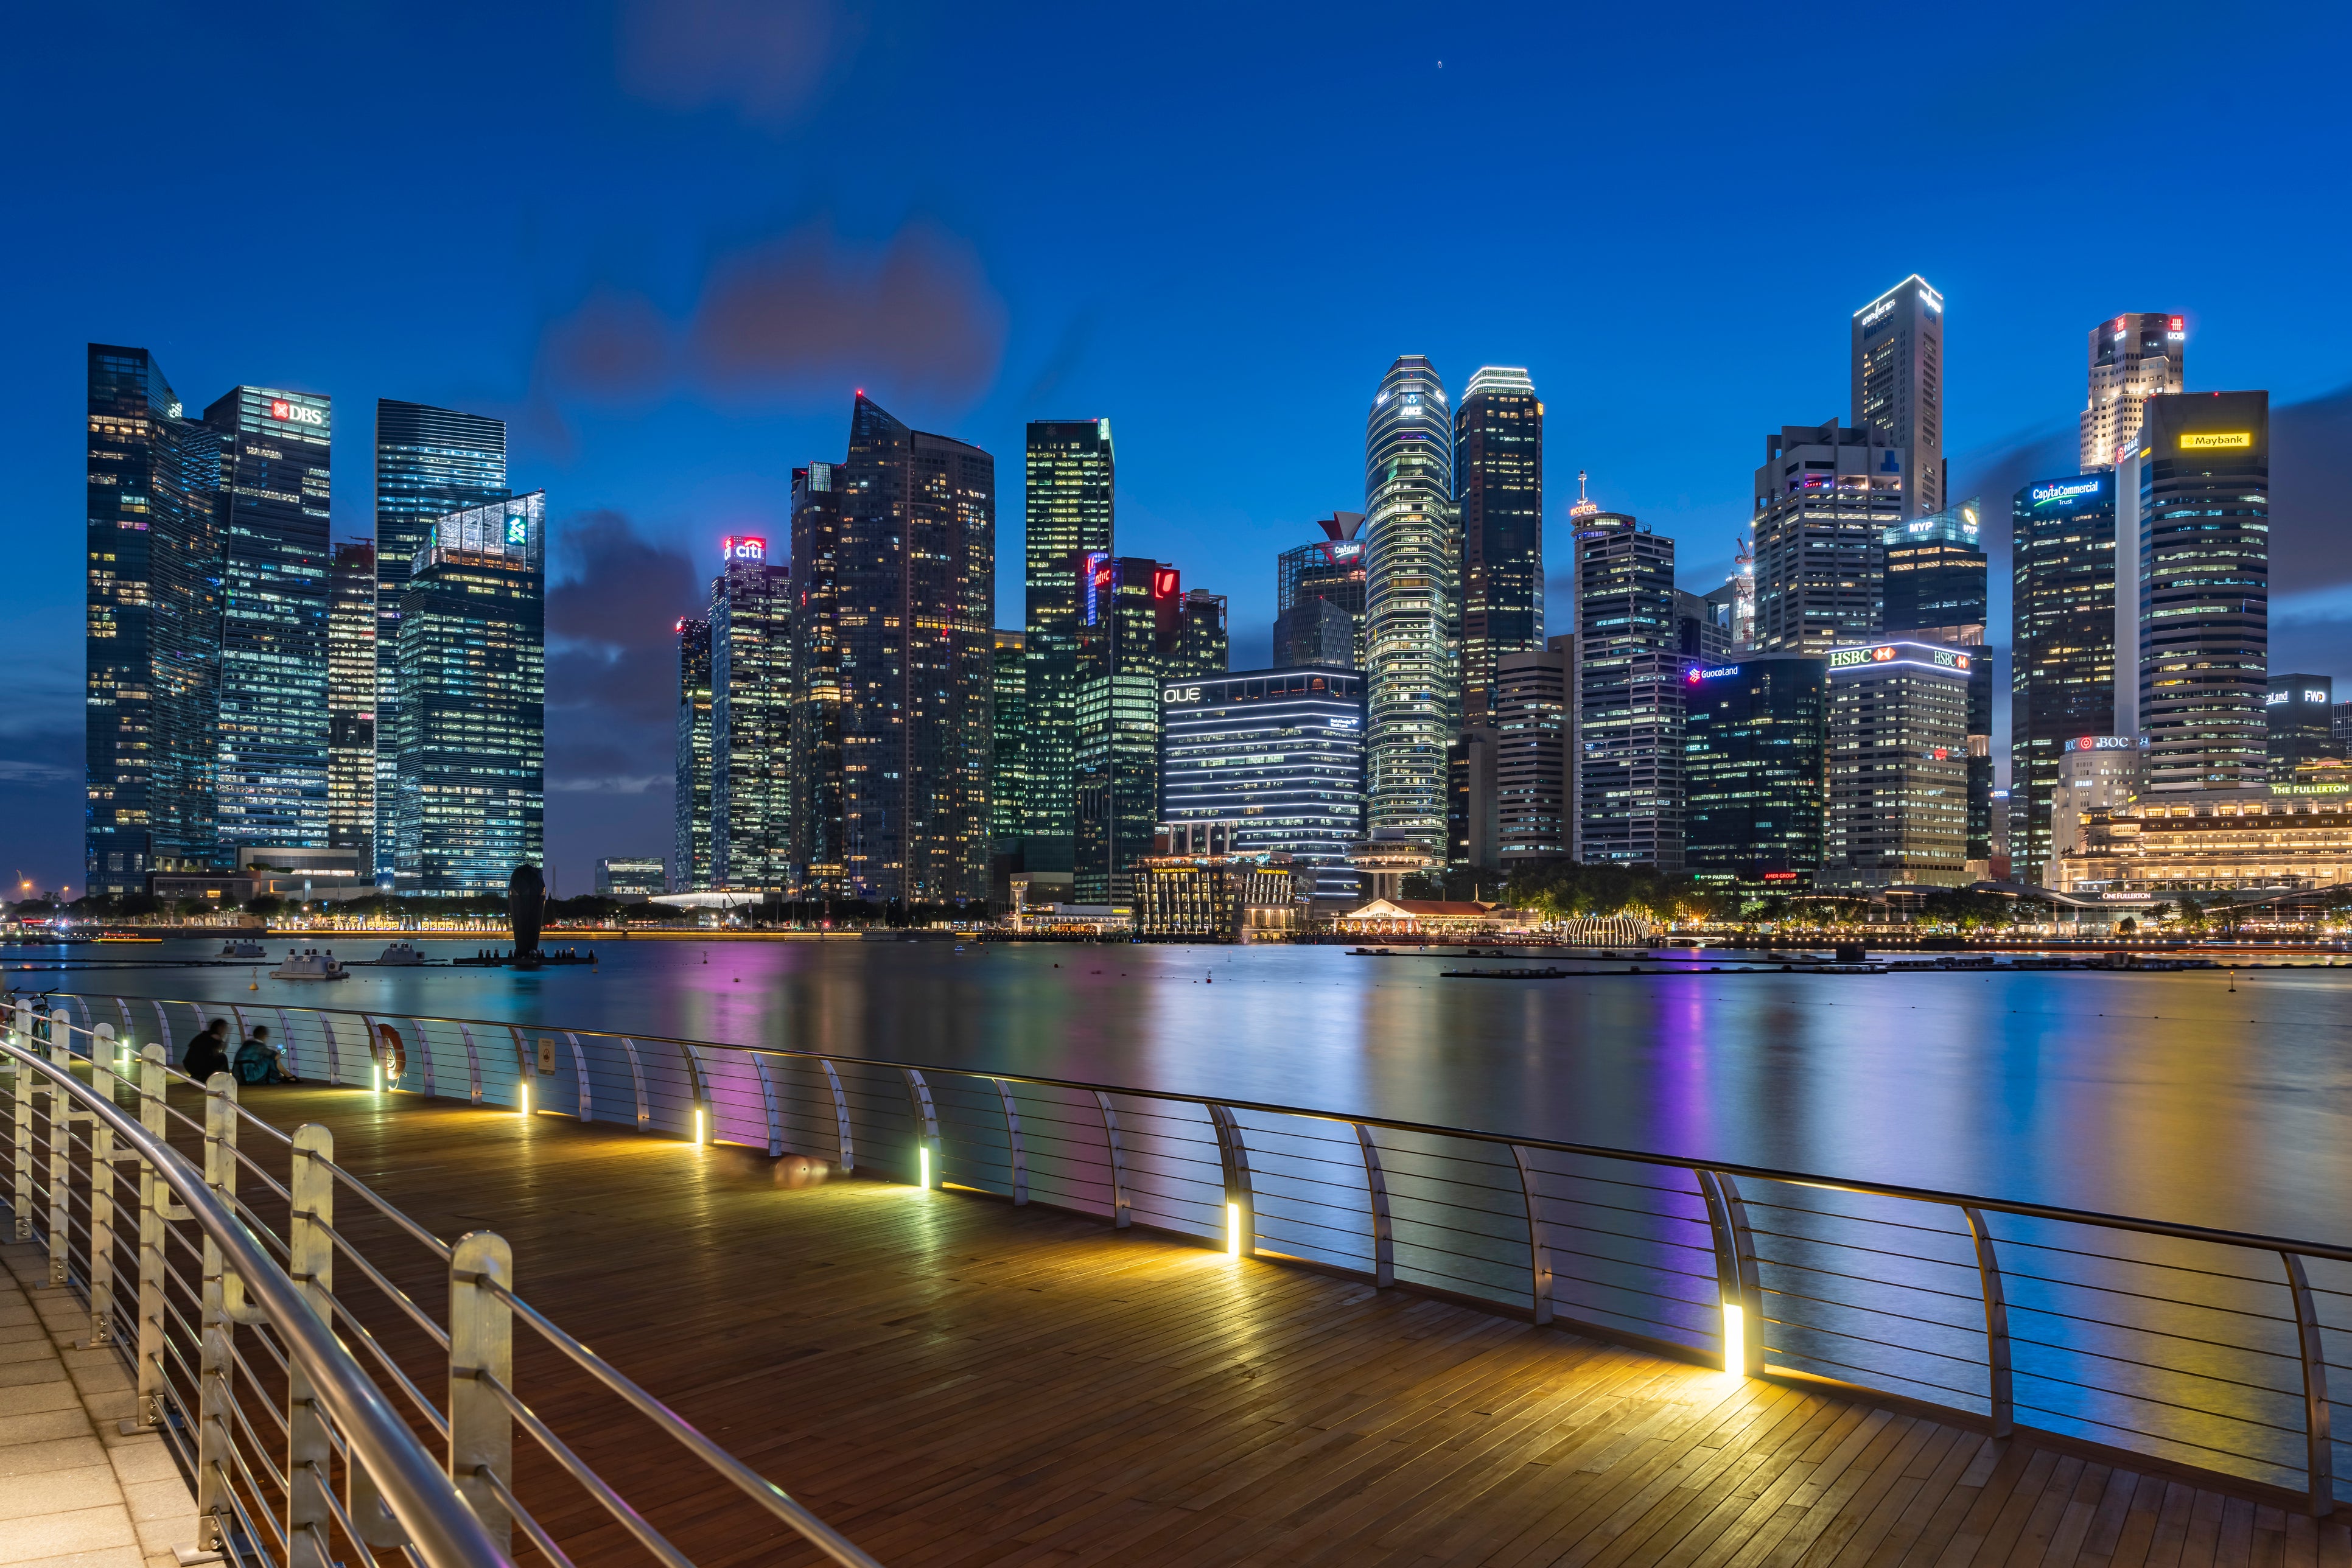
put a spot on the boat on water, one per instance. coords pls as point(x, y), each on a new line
point(401, 956)
point(125, 936)
point(310, 965)
point(234, 949)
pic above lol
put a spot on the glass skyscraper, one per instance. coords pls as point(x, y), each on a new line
point(690, 830)
point(1330, 570)
point(1130, 637)
point(1825, 496)
point(1067, 507)
point(473, 711)
point(1897, 372)
point(1279, 754)
point(351, 702)
point(820, 864)
point(750, 719)
point(1938, 585)
point(1756, 770)
point(1498, 490)
point(1630, 699)
point(2062, 650)
point(1008, 725)
point(1412, 601)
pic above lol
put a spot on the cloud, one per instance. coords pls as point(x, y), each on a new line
point(612, 662)
point(619, 589)
point(767, 60)
point(2311, 479)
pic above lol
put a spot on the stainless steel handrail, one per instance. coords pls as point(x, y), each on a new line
point(413, 1486)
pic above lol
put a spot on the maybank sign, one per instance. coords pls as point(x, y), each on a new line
point(2215, 440)
point(2063, 489)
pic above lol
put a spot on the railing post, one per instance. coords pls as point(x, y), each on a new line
point(1013, 1143)
point(153, 1194)
point(843, 1145)
point(2319, 1455)
point(473, 1065)
point(310, 1261)
point(62, 1121)
point(1376, 1186)
point(1735, 1273)
point(224, 1292)
point(101, 1231)
point(1118, 1204)
point(636, 1077)
point(481, 1432)
point(24, 1126)
point(1538, 1238)
point(580, 1079)
point(927, 1126)
point(1241, 1204)
point(2000, 1393)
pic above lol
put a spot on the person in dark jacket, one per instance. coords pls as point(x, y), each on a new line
point(258, 1060)
point(207, 1053)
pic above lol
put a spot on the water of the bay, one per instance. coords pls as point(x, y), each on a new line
point(2166, 1095)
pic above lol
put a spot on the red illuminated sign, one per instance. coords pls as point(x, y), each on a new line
point(295, 412)
point(744, 547)
point(1163, 583)
point(1779, 875)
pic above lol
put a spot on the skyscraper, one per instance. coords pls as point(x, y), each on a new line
point(1899, 386)
point(1937, 583)
point(1499, 491)
point(1534, 723)
point(2300, 710)
point(1755, 769)
point(1067, 507)
point(271, 783)
point(750, 719)
point(690, 833)
point(2134, 356)
point(1008, 775)
point(2061, 646)
point(1130, 637)
point(2202, 474)
point(1629, 698)
point(153, 642)
point(1202, 645)
point(1412, 601)
point(1330, 570)
point(351, 702)
point(473, 711)
point(820, 864)
point(1277, 753)
point(1898, 811)
point(1824, 498)
point(429, 462)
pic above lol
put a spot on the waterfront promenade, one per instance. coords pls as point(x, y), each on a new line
point(951, 1380)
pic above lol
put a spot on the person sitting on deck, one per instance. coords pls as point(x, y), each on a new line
point(207, 1053)
point(258, 1060)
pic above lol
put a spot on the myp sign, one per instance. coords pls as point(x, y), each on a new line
point(2059, 490)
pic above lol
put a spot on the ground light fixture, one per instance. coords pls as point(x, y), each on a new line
point(522, 1098)
point(375, 1077)
point(923, 1165)
point(1233, 1230)
point(1735, 1338)
point(701, 1127)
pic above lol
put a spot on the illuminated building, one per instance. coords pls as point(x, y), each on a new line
point(750, 719)
point(690, 835)
point(1331, 569)
point(351, 702)
point(820, 862)
point(153, 626)
point(1131, 635)
point(1314, 631)
point(2134, 356)
point(2217, 841)
point(1898, 812)
point(1198, 885)
point(1277, 753)
point(1534, 722)
point(630, 877)
point(1898, 387)
point(2095, 773)
point(2061, 651)
point(1498, 495)
point(2300, 711)
point(1629, 696)
point(1412, 600)
point(2201, 474)
point(1008, 788)
point(1825, 499)
point(1702, 626)
point(473, 700)
point(429, 462)
point(1938, 587)
point(1202, 644)
point(1473, 829)
point(1068, 510)
point(1755, 769)
point(270, 780)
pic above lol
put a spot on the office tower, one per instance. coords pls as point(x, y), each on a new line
point(2095, 773)
point(1533, 721)
point(1332, 570)
point(910, 618)
point(1279, 752)
point(1473, 823)
point(1825, 499)
point(819, 860)
point(2299, 711)
point(1701, 630)
point(270, 783)
point(1202, 644)
point(2061, 651)
point(1937, 590)
point(1898, 811)
point(2339, 728)
point(1629, 698)
point(1069, 473)
point(152, 638)
point(1898, 387)
point(1008, 787)
point(1314, 631)
point(1412, 601)
point(473, 700)
point(2133, 357)
point(1756, 770)
point(2202, 475)
point(1499, 493)
point(750, 719)
point(1131, 636)
point(429, 462)
point(351, 702)
point(632, 877)
point(690, 835)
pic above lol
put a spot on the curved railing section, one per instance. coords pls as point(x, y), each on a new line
point(296, 1408)
point(2203, 1348)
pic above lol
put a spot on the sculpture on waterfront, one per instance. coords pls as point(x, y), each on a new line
point(526, 908)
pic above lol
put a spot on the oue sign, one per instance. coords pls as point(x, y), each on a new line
point(1181, 694)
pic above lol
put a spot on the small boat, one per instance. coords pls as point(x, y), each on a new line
point(401, 954)
point(310, 965)
point(243, 950)
point(1546, 973)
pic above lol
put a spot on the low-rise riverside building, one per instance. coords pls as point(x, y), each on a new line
point(1199, 886)
point(1455, 917)
point(2212, 842)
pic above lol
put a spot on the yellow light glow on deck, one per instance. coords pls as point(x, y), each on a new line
point(701, 1126)
point(1735, 1339)
point(522, 1098)
point(1233, 1230)
point(375, 1077)
point(923, 1158)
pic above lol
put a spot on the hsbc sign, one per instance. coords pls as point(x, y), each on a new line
point(295, 413)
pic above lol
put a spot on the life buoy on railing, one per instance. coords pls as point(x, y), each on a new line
point(392, 1052)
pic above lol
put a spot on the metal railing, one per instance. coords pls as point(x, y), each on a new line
point(2206, 1348)
point(297, 1411)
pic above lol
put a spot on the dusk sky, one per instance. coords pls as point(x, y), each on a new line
point(667, 240)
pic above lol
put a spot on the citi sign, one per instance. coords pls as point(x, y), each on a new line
point(295, 413)
point(743, 547)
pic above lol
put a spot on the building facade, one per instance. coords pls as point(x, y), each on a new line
point(2095, 773)
point(750, 719)
point(1203, 644)
point(1412, 600)
point(1756, 770)
point(1331, 569)
point(1130, 636)
point(1899, 386)
point(1534, 722)
point(1498, 495)
point(351, 702)
point(1825, 497)
point(1008, 788)
point(2133, 357)
point(1629, 698)
point(2300, 713)
point(690, 832)
point(1898, 812)
point(1277, 753)
point(1068, 507)
point(819, 861)
point(630, 877)
point(2218, 841)
point(2062, 650)
point(1938, 589)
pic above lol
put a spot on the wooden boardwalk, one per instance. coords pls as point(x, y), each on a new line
point(950, 1380)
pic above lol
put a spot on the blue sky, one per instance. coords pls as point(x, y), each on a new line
point(667, 240)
